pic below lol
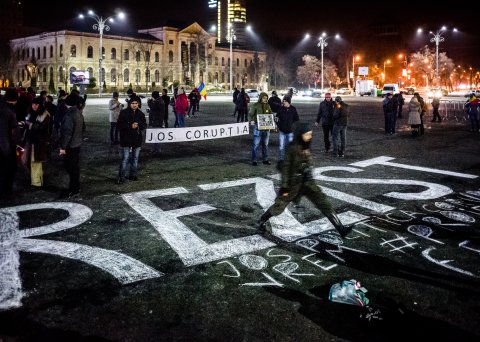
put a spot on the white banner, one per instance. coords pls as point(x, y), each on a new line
point(169, 135)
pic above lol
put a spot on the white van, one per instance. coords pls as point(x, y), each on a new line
point(391, 88)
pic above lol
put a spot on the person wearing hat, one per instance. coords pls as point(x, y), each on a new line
point(114, 106)
point(325, 118)
point(286, 116)
point(340, 122)
point(297, 181)
point(9, 138)
point(71, 137)
point(131, 123)
point(156, 115)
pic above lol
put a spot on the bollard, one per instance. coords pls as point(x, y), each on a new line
point(10, 282)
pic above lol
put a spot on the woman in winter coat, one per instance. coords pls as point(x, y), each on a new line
point(414, 120)
point(39, 138)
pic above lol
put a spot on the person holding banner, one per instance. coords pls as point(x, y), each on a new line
point(259, 136)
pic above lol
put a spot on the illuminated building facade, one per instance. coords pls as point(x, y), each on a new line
point(223, 12)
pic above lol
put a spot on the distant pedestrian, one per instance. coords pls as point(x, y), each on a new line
point(114, 107)
point(193, 97)
point(241, 105)
point(285, 118)
point(131, 123)
point(181, 107)
point(235, 95)
point(166, 102)
point(275, 102)
point(471, 107)
point(436, 106)
point(325, 118)
point(414, 120)
point(390, 107)
point(423, 111)
point(297, 181)
point(401, 103)
point(71, 137)
point(340, 122)
point(156, 116)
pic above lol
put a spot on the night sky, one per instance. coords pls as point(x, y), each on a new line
point(285, 23)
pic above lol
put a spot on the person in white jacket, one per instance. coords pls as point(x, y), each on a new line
point(115, 107)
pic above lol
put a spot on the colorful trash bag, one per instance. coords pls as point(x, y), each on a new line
point(349, 292)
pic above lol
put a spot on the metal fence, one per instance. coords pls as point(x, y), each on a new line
point(453, 110)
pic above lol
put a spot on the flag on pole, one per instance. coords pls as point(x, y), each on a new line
point(202, 90)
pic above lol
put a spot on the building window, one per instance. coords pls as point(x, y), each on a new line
point(44, 75)
point(28, 53)
point(103, 75)
point(126, 55)
point(61, 50)
point(126, 76)
point(147, 76)
point(157, 76)
point(44, 52)
point(223, 77)
point(147, 56)
point(38, 53)
point(113, 75)
point(73, 51)
point(216, 77)
point(223, 61)
point(113, 53)
point(23, 53)
point(238, 62)
point(33, 53)
point(137, 56)
point(137, 76)
point(51, 73)
point(61, 76)
point(216, 60)
point(209, 59)
point(90, 72)
point(51, 51)
point(157, 57)
point(170, 56)
point(170, 42)
point(89, 52)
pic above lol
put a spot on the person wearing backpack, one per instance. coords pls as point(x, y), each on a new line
point(435, 106)
point(471, 107)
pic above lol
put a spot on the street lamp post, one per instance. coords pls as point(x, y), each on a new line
point(322, 42)
point(230, 38)
point(384, 72)
point(353, 69)
point(437, 38)
point(100, 26)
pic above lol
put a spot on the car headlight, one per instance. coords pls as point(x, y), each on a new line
point(438, 93)
point(430, 93)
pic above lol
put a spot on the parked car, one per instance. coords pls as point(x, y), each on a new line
point(253, 94)
point(344, 91)
point(476, 92)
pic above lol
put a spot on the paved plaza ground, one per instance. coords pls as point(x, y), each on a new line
point(175, 256)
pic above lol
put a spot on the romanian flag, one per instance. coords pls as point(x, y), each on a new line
point(202, 90)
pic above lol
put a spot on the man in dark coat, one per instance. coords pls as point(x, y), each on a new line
point(70, 142)
point(131, 123)
point(156, 115)
point(325, 118)
point(9, 137)
point(286, 116)
point(274, 102)
point(340, 122)
point(297, 181)
point(166, 102)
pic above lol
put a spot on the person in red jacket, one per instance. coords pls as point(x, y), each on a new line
point(181, 106)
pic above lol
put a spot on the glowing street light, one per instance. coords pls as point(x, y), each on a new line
point(322, 42)
point(384, 64)
point(354, 58)
point(100, 26)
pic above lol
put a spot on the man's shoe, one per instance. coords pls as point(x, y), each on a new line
point(120, 181)
point(254, 163)
point(344, 231)
point(267, 162)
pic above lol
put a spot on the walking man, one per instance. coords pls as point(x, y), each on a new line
point(259, 136)
point(325, 118)
point(297, 181)
point(340, 117)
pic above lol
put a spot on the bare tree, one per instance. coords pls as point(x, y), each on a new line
point(254, 69)
point(423, 64)
point(9, 60)
point(330, 73)
point(277, 68)
point(309, 72)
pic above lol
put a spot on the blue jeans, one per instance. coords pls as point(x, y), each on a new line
point(283, 140)
point(181, 120)
point(339, 132)
point(260, 137)
point(129, 159)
